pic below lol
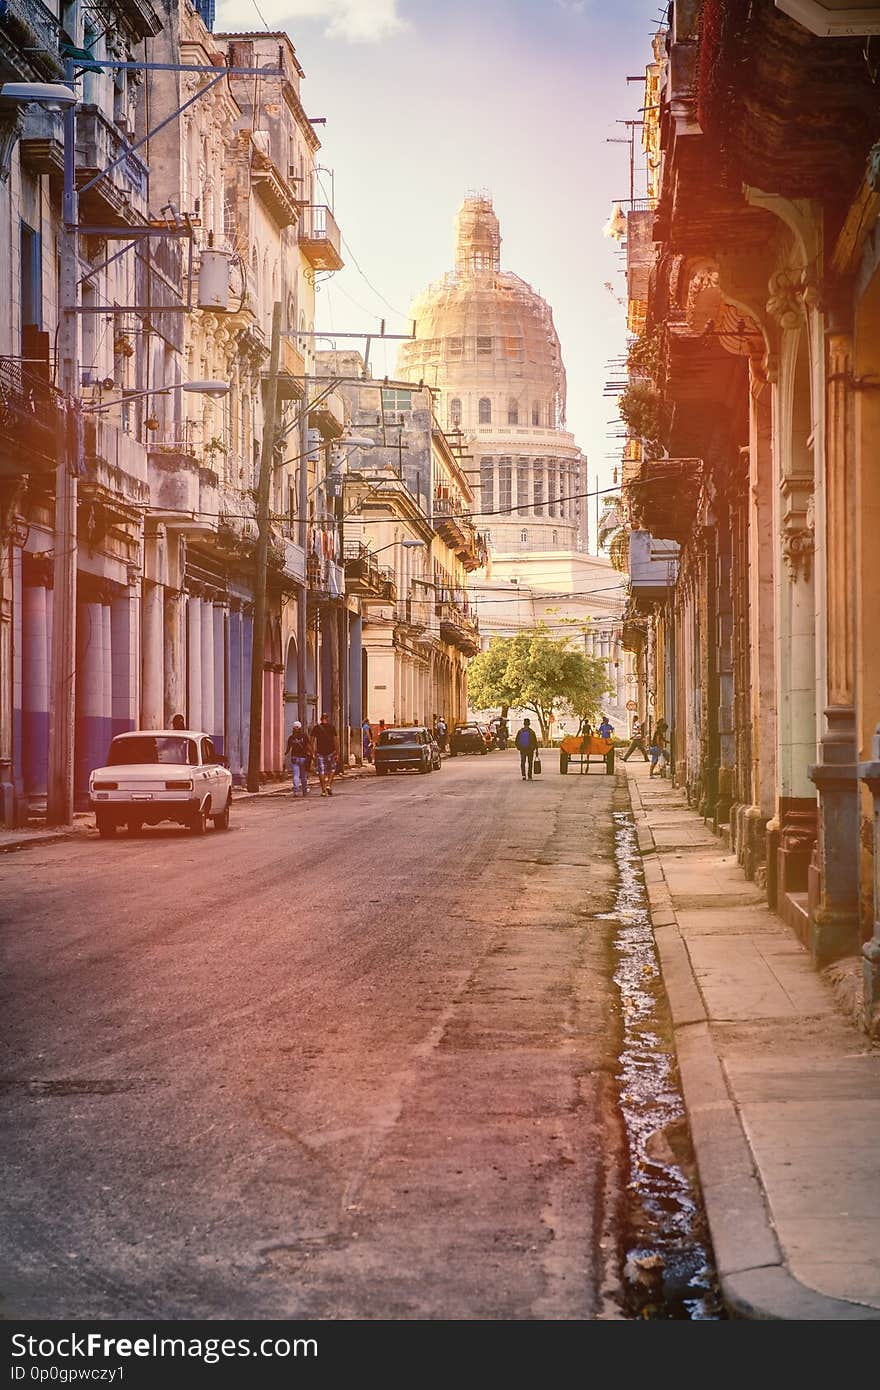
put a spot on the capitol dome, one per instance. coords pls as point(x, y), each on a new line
point(486, 340)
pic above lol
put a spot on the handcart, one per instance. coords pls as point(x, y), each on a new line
point(584, 751)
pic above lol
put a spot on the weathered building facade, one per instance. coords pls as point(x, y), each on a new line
point(750, 410)
point(218, 183)
point(407, 498)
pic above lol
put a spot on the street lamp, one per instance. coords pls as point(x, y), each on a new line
point(407, 545)
point(201, 388)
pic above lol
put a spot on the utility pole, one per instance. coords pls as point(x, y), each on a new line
point(302, 506)
point(270, 430)
point(59, 809)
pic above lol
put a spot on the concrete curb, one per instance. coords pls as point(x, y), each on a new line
point(754, 1280)
point(239, 795)
point(32, 840)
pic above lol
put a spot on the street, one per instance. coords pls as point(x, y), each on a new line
point(352, 1059)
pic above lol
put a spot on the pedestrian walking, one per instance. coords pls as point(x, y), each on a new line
point(440, 733)
point(299, 751)
point(367, 740)
point(527, 743)
point(659, 749)
point(606, 728)
point(637, 741)
point(324, 748)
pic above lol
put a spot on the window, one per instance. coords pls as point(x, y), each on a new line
point(208, 753)
point(455, 413)
point(555, 539)
point(395, 401)
point(551, 489)
point(522, 484)
point(484, 347)
point(456, 347)
point(487, 485)
point(505, 483)
point(523, 536)
point(30, 271)
point(152, 749)
point(513, 349)
point(538, 489)
point(485, 411)
point(512, 412)
point(536, 413)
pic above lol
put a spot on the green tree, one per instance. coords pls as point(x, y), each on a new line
point(540, 673)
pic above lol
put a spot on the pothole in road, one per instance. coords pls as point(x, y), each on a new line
point(669, 1270)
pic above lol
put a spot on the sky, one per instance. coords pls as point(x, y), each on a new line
point(426, 100)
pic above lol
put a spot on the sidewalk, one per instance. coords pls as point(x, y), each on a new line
point(25, 837)
point(782, 1091)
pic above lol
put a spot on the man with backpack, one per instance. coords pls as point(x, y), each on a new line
point(527, 743)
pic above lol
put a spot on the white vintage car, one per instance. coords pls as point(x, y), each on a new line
point(155, 775)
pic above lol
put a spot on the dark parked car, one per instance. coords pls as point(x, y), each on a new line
point(402, 750)
point(467, 738)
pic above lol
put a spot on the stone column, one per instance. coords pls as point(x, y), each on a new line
point(247, 645)
point(194, 662)
point(355, 673)
point(218, 728)
point(35, 687)
point(834, 915)
point(153, 656)
point(91, 699)
point(234, 744)
point(173, 658)
point(207, 669)
point(123, 657)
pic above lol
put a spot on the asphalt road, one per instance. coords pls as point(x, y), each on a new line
point(351, 1059)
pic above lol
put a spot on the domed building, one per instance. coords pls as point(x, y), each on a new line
point(486, 342)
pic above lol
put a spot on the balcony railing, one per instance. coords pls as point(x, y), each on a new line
point(365, 577)
point(31, 418)
point(458, 627)
point(35, 31)
point(319, 238)
point(457, 529)
point(122, 193)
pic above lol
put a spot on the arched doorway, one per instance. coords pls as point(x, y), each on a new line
point(291, 695)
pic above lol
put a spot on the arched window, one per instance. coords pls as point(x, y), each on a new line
point(536, 413)
point(455, 413)
point(523, 536)
point(512, 412)
point(555, 539)
point(485, 408)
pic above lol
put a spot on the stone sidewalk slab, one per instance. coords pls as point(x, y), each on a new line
point(782, 1092)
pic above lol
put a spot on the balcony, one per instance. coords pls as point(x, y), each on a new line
point(653, 567)
point(273, 190)
point(29, 40)
point(325, 578)
point(31, 422)
point(292, 369)
point(41, 147)
point(328, 416)
point(366, 578)
point(411, 613)
point(456, 528)
point(458, 628)
point(319, 238)
point(662, 496)
point(120, 197)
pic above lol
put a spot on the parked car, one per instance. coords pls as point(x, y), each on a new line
point(161, 775)
point(405, 750)
point(467, 738)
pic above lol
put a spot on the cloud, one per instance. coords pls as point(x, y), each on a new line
point(355, 21)
point(573, 6)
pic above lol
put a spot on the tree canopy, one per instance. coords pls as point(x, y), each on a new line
point(540, 673)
